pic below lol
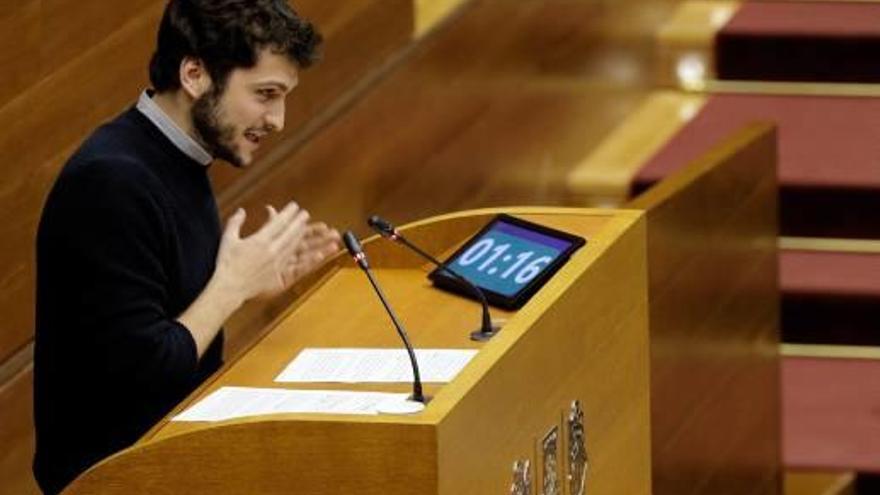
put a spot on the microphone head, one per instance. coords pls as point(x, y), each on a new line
point(382, 226)
point(355, 250)
point(352, 244)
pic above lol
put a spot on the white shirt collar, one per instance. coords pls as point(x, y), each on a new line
point(171, 130)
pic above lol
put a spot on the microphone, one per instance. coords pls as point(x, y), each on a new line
point(388, 231)
point(356, 251)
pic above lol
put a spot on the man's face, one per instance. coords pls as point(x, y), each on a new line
point(233, 123)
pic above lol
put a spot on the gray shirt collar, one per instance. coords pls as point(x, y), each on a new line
point(172, 131)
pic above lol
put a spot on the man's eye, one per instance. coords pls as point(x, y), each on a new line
point(266, 94)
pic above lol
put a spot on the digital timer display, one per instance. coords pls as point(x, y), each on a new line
point(508, 258)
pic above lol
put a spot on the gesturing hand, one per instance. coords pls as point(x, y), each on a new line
point(259, 265)
point(318, 243)
point(264, 264)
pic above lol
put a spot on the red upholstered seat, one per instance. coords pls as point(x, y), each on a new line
point(831, 414)
point(831, 273)
point(829, 157)
point(830, 297)
point(854, 19)
point(801, 41)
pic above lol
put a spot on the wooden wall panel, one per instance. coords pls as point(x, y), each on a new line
point(72, 27)
point(19, 47)
point(412, 148)
point(587, 40)
point(17, 435)
point(714, 305)
point(819, 483)
point(429, 13)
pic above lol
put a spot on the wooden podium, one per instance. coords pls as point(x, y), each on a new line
point(583, 337)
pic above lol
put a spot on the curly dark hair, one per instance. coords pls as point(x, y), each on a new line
point(228, 34)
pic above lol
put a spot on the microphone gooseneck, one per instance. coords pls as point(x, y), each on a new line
point(356, 251)
point(387, 230)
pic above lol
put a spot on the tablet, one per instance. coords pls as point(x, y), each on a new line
point(509, 260)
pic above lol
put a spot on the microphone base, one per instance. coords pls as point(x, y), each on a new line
point(409, 406)
point(481, 336)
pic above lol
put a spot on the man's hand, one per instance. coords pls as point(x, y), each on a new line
point(263, 264)
point(258, 265)
point(319, 243)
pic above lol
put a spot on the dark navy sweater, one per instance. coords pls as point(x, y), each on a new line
point(127, 241)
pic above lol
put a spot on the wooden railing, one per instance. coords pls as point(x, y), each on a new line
point(714, 311)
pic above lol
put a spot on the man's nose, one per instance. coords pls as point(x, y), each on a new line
point(275, 118)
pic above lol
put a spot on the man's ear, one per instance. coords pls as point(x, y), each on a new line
point(194, 78)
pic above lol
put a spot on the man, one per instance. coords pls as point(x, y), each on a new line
point(134, 278)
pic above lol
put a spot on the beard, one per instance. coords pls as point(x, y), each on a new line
point(217, 137)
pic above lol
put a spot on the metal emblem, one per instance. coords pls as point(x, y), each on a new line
point(522, 478)
point(578, 464)
point(550, 449)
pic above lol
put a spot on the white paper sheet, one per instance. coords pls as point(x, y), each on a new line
point(236, 402)
point(374, 365)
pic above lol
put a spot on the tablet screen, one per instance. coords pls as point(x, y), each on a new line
point(510, 258)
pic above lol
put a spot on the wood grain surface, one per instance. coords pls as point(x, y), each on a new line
point(605, 176)
point(17, 434)
point(714, 304)
point(819, 483)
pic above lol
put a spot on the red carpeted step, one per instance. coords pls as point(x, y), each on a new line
point(829, 157)
point(831, 414)
point(830, 297)
point(801, 41)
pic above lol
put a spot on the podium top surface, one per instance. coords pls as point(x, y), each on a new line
point(341, 310)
